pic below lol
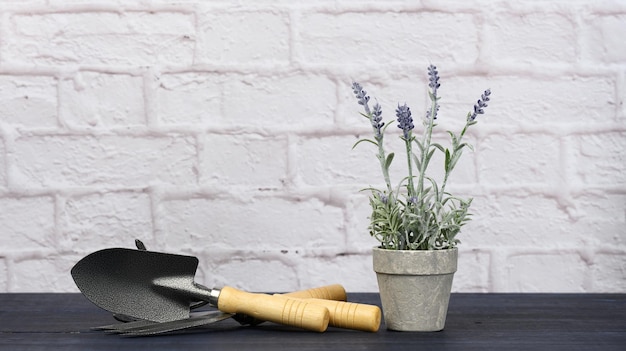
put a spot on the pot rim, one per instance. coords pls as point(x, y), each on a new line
point(415, 262)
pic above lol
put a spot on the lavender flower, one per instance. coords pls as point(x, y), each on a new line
point(433, 83)
point(433, 79)
point(405, 122)
point(361, 96)
point(374, 116)
point(480, 105)
point(428, 113)
point(384, 198)
point(376, 119)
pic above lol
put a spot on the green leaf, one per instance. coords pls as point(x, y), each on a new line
point(373, 190)
point(419, 145)
point(438, 146)
point(417, 162)
point(428, 157)
point(430, 154)
point(447, 162)
point(469, 146)
point(362, 140)
point(389, 159)
point(435, 187)
point(364, 115)
point(455, 139)
point(455, 158)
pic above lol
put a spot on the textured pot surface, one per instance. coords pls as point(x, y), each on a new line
point(415, 287)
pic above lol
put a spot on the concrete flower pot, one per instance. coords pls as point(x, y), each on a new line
point(415, 287)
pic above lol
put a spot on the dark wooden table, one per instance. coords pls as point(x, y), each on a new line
point(475, 322)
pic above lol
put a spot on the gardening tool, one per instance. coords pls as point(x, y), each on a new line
point(146, 328)
point(342, 314)
point(160, 287)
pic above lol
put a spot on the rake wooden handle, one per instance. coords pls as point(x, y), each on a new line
point(350, 315)
point(274, 308)
point(329, 292)
point(347, 315)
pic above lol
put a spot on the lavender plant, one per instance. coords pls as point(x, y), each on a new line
point(418, 213)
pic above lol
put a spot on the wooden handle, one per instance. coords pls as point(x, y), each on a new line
point(347, 315)
point(350, 315)
point(274, 308)
point(329, 292)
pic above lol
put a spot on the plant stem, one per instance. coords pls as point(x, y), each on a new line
point(426, 148)
point(448, 171)
point(409, 154)
point(383, 159)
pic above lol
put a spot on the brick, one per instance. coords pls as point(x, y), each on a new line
point(505, 219)
point(95, 221)
point(621, 98)
point(243, 160)
point(609, 273)
point(529, 37)
point(552, 272)
point(602, 215)
point(519, 159)
point(531, 101)
point(3, 165)
point(129, 38)
point(473, 271)
point(29, 101)
point(297, 101)
point(48, 273)
point(353, 271)
point(386, 37)
point(256, 275)
point(599, 158)
point(51, 161)
point(27, 223)
point(358, 212)
point(254, 223)
point(243, 37)
point(330, 160)
point(4, 275)
point(102, 100)
point(601, 41)
point(189, 98)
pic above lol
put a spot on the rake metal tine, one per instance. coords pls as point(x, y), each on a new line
point(166, 327)
point(128, 325)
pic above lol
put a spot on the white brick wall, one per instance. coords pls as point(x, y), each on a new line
point(224, 131)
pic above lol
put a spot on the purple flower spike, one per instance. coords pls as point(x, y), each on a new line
point(361, 96)
point(479, 108)
point(405, 122)
point(433, 79)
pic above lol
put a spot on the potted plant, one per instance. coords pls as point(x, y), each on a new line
point(417, 220)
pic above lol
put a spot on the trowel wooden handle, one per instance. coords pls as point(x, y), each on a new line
point(329, 292)
point(350, 315)
point(274, 308)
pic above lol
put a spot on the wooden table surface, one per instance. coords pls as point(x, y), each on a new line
point(475, 322)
